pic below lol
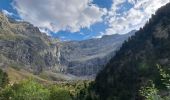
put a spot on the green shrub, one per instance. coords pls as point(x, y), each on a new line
point(25, 90)
point(57, 93)
point(3, 79)
point(150, 92)
point(32, 90)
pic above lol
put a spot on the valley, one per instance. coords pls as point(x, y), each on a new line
point(23, 46)
point(132, 65)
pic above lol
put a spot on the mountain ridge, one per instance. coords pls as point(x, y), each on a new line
point(135, 63)
point(91, 54)
point(23, 45)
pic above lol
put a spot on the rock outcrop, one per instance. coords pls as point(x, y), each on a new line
point(89, 56)
point(23, 45)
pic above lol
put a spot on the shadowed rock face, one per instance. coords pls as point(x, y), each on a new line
point(23, 45)
point(89, 56)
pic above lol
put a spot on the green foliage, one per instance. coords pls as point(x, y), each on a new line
point(77, 89)
point(59, 93)
point(26, 90)
point(32, 90)
point(3, 79)
point(86, 93)
point(134, 64)
point(165, 77)
point(150, 92)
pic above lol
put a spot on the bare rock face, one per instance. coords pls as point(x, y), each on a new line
point(23, 45)
point(86, 58)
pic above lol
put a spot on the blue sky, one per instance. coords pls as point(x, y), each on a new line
point(82, 19)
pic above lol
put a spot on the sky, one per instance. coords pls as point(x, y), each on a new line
point(82, 19)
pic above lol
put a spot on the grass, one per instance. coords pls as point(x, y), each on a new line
point(16, 76)
point(72, 88)
point(11, 37)
point(54, 76)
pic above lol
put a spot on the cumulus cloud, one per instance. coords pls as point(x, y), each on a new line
point(135, 15)
point(57, 15)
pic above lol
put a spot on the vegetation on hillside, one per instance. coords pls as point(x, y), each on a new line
point(30, 89)
point(134, 64)
point(3, 79)
point(130, 75)
point(150, 92)
point(26, 90)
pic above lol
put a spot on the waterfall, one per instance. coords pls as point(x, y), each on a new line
point(58, 55)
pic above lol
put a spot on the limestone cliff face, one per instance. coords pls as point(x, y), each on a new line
point(24, 46)
point(84, 58)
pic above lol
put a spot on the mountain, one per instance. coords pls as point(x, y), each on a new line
point(86, 58)
point(23, 46)
point(135, 63)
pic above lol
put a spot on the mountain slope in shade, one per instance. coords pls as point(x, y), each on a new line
point(135, 63)
point(87, 57)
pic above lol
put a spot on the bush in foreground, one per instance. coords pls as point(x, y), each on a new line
point(32, 90)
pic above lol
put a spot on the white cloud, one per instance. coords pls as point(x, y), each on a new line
point(7, 13)
point(45, 31)
point(56, 15)
point(133, 18)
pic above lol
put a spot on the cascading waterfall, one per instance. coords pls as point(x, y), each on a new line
point(59, 60)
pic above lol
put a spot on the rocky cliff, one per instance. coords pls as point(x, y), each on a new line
point(89, 56)
point(23, 46)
